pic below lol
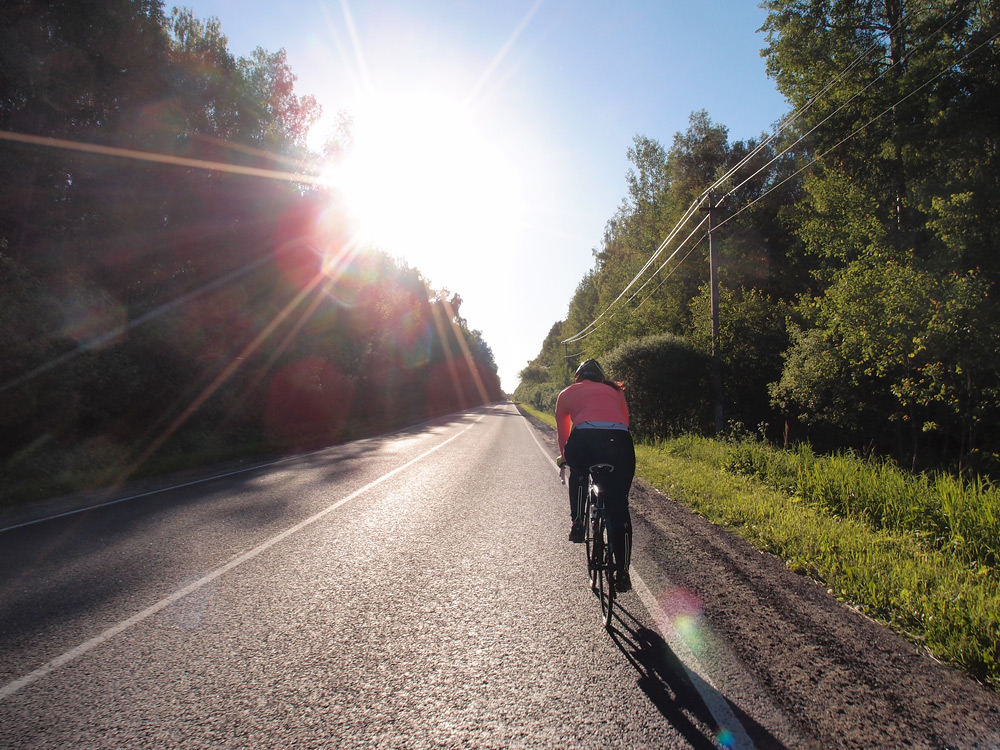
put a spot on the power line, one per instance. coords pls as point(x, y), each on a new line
point(669, 258)
point(673, 232)
point(671, 271)
point(781, 127)
point(886, 111)
point(784, 124)
point(584, 334)
point(842, 106)
point(643, 300)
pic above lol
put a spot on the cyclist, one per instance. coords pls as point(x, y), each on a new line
point(593, 427)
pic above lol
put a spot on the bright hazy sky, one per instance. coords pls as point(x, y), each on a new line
point(515, 115)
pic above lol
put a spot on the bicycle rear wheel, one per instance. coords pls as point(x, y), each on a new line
point(604, 571)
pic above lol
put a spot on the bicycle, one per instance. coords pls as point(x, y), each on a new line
point(600, 562)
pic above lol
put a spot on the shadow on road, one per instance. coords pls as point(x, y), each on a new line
point(665, 681)
point(85, 557)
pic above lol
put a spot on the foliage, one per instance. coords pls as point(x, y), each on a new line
point(907, 346)
point(661, 188)
point(903, 219)
point(153, 310)
point(947, 513)
point(752, 335)
point(815, 387)
point(856, 249)
point(666, 384)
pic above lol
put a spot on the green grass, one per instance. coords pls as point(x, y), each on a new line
point(949, 512)
point(544, 416)
point(918, 553)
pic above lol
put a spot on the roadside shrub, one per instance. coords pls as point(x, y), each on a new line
point(541, 396)
point(667, 383)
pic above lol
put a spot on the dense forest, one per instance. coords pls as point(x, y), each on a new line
point(857, 248)
point(171, 282)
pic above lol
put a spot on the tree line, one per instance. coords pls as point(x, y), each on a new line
point(858, 248)
point(193, 300)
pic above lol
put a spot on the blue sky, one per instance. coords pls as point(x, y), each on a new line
point(557, 87)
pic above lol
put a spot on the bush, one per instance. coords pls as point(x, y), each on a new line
point(667, 384)
point(541, 396)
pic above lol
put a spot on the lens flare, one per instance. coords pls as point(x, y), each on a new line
point(686, 614)
point(91, 316)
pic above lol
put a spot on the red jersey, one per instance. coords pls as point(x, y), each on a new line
point(588, 401)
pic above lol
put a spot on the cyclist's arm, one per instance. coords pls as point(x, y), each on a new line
point(563, 424)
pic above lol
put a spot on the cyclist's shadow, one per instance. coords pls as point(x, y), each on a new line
point(664, 680)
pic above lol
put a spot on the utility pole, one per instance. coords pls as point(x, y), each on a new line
point(897, 56)
point(716, 354)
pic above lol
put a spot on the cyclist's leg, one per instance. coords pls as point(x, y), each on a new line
point(620, 531)
point(621, 453)
point(577, 484)
point(577, 495)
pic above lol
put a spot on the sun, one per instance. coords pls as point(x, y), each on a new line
point(425, 184)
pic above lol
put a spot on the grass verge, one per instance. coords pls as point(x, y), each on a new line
point(93, 467)
point(101, 463)
point(898, 574)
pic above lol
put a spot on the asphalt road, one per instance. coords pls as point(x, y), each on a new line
point(414, 590)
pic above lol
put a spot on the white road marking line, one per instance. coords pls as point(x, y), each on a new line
point(202, 480)
point(736, 736)
point(697, 675)
point(50, 666)
point(157, 491)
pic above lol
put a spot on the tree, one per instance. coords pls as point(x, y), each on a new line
point(752, 336)
point(898, 214)
point(915, 350)
point(663, 186)
point(152, 307)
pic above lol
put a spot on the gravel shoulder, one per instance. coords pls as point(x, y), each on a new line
point(837, 678)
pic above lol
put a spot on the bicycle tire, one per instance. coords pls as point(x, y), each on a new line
point(607, 579)
point(596, 561)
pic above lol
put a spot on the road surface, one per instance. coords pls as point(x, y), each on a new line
point(416, 590)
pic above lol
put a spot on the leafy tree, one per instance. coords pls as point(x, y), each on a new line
point(899, 213)
point(816, 387)
point(152, 307)
point(278, 120)
point(752, 336)
point(662, 186)
point(755, 246)
point(911, 344)
point(884, 253)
